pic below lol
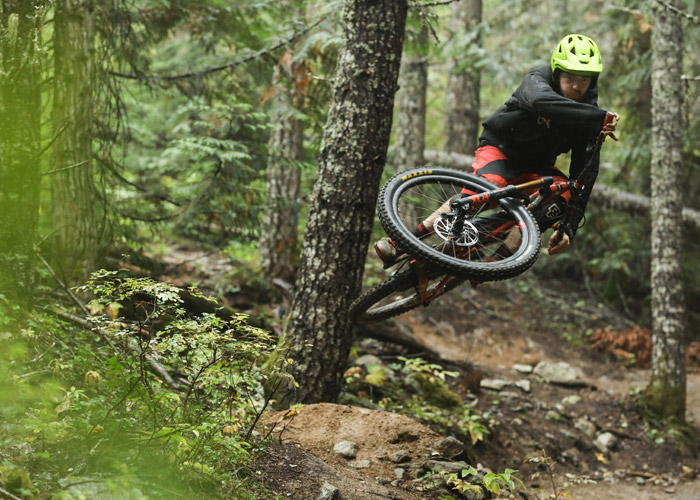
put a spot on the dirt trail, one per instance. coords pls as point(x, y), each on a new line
point(493, 328)
point(637, 468)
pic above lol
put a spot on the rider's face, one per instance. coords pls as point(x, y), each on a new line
point(574, 86)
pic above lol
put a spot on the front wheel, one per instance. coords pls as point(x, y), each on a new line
point(495, 242)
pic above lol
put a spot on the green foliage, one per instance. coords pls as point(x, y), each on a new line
point(163, 402)
point(417, 388)
point(491, 481)
point(197, 168)
point(184, 127)
point(418, 365)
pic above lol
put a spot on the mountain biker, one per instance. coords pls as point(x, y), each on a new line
point(553, 111)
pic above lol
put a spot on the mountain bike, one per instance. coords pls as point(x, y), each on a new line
point(490, 235)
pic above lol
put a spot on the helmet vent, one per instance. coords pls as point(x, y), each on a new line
point(577, 54)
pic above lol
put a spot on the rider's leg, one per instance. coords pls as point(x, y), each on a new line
point(504, 172)
point(496, 173)
point(388, 251)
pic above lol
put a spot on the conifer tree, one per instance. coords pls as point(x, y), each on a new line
point(666, 392)
point(20, 144)
point(75, 230)
point(341, 216)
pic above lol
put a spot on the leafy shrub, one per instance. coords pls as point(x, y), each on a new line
point(163, 403)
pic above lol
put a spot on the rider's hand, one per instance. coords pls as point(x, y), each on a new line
point(560, 246)
point(610, 125)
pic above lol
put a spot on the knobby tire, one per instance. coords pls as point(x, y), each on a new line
point(369, 305)
point(404, 192)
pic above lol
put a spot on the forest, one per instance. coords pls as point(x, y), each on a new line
point(188, 205)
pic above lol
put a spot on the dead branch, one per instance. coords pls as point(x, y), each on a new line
point(195, 74)
point(8, 495)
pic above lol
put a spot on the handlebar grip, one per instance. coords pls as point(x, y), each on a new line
point(559, 232)
point(609, 118)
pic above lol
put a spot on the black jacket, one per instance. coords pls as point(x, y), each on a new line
point(537, 124)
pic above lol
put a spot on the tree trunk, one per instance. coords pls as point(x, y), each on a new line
point(278, 242)
point(409, 135)
point(75, 237)
point(342, 212)
point(20, 145)
point(666, 392)
point(463, 85)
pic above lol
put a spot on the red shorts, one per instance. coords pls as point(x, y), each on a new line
point(493, 165)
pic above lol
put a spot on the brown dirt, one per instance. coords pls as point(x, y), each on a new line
point(482, 333)
point(315, 429)
point(493, 328)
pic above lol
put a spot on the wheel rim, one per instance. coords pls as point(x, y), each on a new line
point(483, 239)
point(398, 302)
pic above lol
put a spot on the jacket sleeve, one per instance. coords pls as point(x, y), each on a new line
point(536, 95)
point(580, 155)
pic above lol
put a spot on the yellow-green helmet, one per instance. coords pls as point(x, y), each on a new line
point(577, 54)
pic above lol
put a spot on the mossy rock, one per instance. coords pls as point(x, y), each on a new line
point(16, 480)
point(434, 390)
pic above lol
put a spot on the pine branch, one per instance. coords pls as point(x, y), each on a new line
point(431, 4)
point(682, 13)
point(196, 74)
point(634, 12)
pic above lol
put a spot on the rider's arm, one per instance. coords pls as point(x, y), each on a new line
point(537, 95)
point(579, 157)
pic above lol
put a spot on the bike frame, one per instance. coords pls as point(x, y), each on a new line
point(545, 189)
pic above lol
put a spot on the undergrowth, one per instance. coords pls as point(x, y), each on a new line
point(138, 399)
point(414, 387)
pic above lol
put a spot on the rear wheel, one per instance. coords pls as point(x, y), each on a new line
point(398, 294)
point(495, 243)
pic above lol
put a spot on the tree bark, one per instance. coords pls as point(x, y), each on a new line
point(20, 145)
point(409, 135)
point(75, 237)
point(666, 392)
point(278, 242)
point(341, 215)
point(462, 100)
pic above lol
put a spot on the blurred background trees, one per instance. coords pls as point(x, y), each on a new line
point(130, 127)
point(165, 122)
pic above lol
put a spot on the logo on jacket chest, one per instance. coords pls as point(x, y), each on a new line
point(542, 120)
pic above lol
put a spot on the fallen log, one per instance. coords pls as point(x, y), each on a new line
point(606, 196)
point(403, 338)
point(633, 203)
point(156, 367)
point(447, 159)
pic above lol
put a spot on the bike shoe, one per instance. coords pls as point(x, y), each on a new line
point(387, 251)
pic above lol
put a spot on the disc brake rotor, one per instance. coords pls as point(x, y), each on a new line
point(468, 237)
